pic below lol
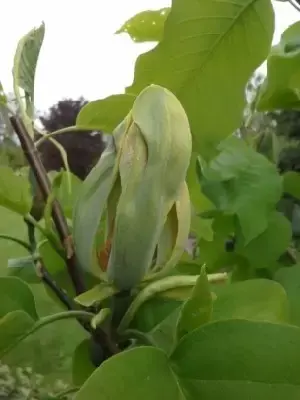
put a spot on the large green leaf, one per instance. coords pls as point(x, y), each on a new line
point(241, 182)
point(289, 278)
point(141, 373)
point(280, 90)
point(13, 327)
point(232, 359)
point(105, 114)
point(16, 295)
point(146, 26)
point(254, 299)
point(239, 359)
point(205, 58)
point(264, 250)
point(14, 191)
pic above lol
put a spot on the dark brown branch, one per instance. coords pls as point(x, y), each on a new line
point(43, 182)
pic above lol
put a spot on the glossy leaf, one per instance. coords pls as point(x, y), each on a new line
point(16, 295)
point(289, 278)
point(203, 42)
point(82, 366)
point(140, 373)
point(13, 326)
point(146, 26)
point(254, 299)
point(265, 249)
point(280, 90)
point(105, 114)
point(14, 191)
point(197, 310)
point(239, 359)
point(241, 182)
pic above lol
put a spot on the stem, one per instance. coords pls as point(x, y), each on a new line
point(48, 320)
point(57, 214)
point(49, 281)
point(49, 135)
point(16, 240)
point(162, 285)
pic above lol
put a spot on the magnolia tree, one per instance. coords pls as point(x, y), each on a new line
point(221, 322)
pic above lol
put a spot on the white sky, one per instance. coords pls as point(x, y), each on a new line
point(81, 55)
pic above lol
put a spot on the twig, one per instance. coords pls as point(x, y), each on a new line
point(46, 277)
point(58, 217)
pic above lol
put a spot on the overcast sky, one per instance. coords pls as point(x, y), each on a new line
point(81, 55)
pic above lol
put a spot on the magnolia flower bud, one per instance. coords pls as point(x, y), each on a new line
point(140, 182)
point(154, 156)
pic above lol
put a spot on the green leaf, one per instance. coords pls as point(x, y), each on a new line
point(82, 366)
point(16, 295)
point(264, 250)
point(289, 278)
point(223, 360)
point(130, 375)
point(146, 26)
point(13, 326)
point(254, 299)
point(239, 359)
point(96, 295)
point(203, 42)
point(105, 114)
point(241, 182)
point(197, 310)
point(14, 191)
point(25, 62)
point(291, 183)
point(280, 89)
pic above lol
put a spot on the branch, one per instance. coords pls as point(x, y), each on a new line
point(44, 185)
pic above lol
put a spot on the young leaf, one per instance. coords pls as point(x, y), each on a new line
point(237, 359)
point(146, 26)
point(14, 191)
point(241, 182)
point(197, 310)
point(96, 295)
point(105, 114)
point(24, 68)
point(199, 37)
point(13, 326)
point(16, 295)
point(130, 376)
point(281, 87)
point(82, 366)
